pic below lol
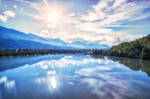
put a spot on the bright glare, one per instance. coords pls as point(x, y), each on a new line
point(53, 82)
point(54, 16)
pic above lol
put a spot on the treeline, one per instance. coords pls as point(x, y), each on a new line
point(136, 49)
point(13, 52)
point(134, 64)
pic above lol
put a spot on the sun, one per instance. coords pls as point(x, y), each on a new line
point(54, 15)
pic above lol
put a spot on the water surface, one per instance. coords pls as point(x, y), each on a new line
point(73, 77)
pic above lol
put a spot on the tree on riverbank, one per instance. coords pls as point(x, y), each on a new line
point(136, 49)
point(14, 52)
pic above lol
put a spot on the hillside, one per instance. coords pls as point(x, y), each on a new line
point(24, 44)
point(13, 39)
point(136, 49)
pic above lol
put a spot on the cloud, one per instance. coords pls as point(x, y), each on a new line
point(3, 18)
point(96, 23)
point(9, 13)
point(111, 13)
point(15, 6)
point(6, 15)
point(45, 31)
point(52, 14)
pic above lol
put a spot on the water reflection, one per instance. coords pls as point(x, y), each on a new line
point(134, 64)
point(76, 77)
point(3, 79)
point(53, 82)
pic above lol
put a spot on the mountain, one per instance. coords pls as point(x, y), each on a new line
point(24, 44)
point(135, 49)
point(82, 44)
point(12, 39)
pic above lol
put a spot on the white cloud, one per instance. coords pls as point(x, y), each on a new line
point(9, 13)
point(6, 15)
point(72, 14)
point(3, 18)
point(53, 14)
point(45, 31)
point(15, 6)
point(110, 13)
point(56, 21)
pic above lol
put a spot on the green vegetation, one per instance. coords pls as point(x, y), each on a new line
point(15, 52)
point(134, 64)
point(135, 49)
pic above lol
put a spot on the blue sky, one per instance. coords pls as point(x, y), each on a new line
point(105, 21)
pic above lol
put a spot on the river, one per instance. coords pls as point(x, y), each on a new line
point(67, 76)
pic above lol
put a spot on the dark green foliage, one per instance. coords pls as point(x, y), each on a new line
point(145, 53)
point(135, 49)
point(134, 64)
point(40, 51)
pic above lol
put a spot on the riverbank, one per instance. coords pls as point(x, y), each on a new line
point(15, 52)
point(143, 54)
point(136, 49)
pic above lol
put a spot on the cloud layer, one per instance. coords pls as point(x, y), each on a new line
point(106, 21)
point(6, 15)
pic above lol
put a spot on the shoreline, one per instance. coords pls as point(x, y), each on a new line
point(25, 52)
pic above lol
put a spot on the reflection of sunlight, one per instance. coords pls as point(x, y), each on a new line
point(53, 82)
point(51, 72)
point(44, 67)
point(67, 61)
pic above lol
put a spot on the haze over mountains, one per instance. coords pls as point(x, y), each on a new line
point(12, 39)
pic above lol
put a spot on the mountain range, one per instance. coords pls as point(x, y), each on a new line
point(13, 39)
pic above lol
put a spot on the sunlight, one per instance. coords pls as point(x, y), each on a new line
point(53, 82)
point(54, 16)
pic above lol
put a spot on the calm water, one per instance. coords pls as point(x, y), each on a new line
point(74, 77)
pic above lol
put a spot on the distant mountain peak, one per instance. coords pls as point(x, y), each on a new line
point(20, 38)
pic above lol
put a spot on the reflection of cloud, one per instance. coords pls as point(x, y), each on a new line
point(103, 68)
point(69, 61)
point(70, 83)
point(108, 87)
point(86, 72)
point(51, 72)
point(93, 70)
point(10, 84)
point(99, 77)
point(3, 79)
point(104, 84)
point(44, 67)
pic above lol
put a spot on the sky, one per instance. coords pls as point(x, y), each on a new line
point(104, 21)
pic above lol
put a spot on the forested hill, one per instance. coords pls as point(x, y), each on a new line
point(136, 49)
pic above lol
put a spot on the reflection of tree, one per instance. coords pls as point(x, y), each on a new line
point(134, 64)
point(10, 62)
point(97, 56)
